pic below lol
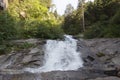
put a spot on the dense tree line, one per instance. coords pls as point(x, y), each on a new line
point(28, 19)
point(101, 19)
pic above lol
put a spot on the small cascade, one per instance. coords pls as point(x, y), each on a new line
point(60, 55)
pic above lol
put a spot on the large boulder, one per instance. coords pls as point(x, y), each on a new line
point(101, 53)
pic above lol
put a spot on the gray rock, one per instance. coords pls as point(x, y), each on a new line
point(30, 57)
point(100, 56)
point(116, 60)
point(107, 78)
point(105, 52)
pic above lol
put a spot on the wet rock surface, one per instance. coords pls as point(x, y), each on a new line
point(102, 54)
point(106, 52)
point(107, 78)
point(29, 57)
point(20, 76)
point(101, 62)
point(83, 74)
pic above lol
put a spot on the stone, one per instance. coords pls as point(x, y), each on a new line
point(106, 78)
point(116, 60)
point(105, 66)
point(27, 59)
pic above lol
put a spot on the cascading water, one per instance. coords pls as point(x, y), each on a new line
point(60, 55)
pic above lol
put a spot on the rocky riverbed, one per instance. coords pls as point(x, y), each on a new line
point(101, 61)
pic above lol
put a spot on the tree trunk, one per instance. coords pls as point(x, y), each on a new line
point(83, 16)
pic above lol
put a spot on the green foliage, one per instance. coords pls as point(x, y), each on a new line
point(47, 31)
point(100, 10)
point(28, 10)
point(7, 47)
point(7, 27)
point(28, 19)
point(27, 14)
point(99, 30)
point(2, 49)
point(112, 31)
point(95, 31)
point(102, 17)
point(116, 18)
point(73, 23)
point(34, 13)
point(46, 3)
point(24, 45)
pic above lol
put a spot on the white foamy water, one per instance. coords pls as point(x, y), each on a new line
point(60, 55)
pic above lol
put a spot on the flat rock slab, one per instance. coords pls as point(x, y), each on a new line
point(55, 75)
point(22, 76)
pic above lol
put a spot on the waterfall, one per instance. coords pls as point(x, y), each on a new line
point(60, 55)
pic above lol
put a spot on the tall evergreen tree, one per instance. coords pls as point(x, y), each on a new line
point(69, 9)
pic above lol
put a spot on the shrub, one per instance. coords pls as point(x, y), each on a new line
point(95, 31)
point(102, 30)
point(7, 47)
point(112, 31)
point(49, 32)
point(7, 29)
point(116, 18)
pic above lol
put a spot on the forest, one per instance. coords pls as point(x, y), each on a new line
point(101, 19)
point(24, 19)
